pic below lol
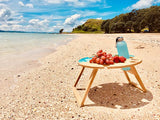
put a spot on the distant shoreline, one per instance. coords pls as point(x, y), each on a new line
point(1, 31)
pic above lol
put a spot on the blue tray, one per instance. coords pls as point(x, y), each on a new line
point(131, 55)
point(85, 59)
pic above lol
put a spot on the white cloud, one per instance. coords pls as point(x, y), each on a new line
point(94, 13)
point(55, 28)
point(143, 4)
point(71, 21)
point(75, 3)
point(25, 5)
point(17, 27)
point(88, 13)
point(71, 0)
point(21, 3)
point(157, 1)
point(8, 17)
point(68, 28)
point(54, 1)
point(38, 25)
point(4, 27)
point(5, 13)
point(21, 19)
point(29, 5)
point(94, 0)
point(12, 27)
point(82, 22)
point(13, 22)
point(78, 4)
point(107, 13)
point(4, 0)
point(99, 18)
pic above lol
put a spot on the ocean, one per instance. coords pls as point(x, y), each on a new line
point(16, 49)
point(16, 43)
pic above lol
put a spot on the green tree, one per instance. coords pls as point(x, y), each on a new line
point(79, 27)
point(153, 18)
point(103, 25)
point(112, 28)
point(120, 27)
point(85, 28)
point(136, 27)
point(143, 24)
point(106, 26)
point(135, 20)
point(128, 26)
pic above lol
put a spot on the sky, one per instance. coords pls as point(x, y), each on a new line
point(53, 15)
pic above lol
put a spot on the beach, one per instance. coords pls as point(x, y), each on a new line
point(45, 91)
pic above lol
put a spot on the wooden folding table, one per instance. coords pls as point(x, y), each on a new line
point(131, 62)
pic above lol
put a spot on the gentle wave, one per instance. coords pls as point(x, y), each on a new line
point(15, 43)
point(20, 49)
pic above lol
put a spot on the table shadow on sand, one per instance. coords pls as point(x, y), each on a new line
point(118, 96)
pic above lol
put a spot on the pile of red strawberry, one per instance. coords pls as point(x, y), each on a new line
point(104, 58)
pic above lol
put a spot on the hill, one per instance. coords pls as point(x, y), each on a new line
point(142, 20)
point(91, 25)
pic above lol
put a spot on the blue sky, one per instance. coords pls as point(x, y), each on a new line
point(53, 15)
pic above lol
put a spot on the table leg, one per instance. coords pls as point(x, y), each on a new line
point(94, 72)
point(126, 74)
point(138, 78)
point(78, 97)
point(79, 77)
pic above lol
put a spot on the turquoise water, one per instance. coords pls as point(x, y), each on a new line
point(19, 51)
point(16, 43)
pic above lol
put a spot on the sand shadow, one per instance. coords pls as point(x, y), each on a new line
point(118, 96)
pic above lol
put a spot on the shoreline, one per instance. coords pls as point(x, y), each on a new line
point(16, 63)
point(46, 91)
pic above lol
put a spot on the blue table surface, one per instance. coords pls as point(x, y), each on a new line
point(86, 59)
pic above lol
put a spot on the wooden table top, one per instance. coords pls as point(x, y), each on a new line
point(129, 62)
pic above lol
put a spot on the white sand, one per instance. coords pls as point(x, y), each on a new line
point(45, 92)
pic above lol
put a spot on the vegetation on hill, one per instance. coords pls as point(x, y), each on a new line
point(91, 25)
point(143, 20)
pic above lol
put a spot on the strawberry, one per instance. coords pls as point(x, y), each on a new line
point(91, 60)
point(100, 51)
point(99, 54)
point(122, 59)
point(109, 55)
point(94, 59)
point(104, 53)
point(103, 57)
point(107, 61)
point(98, 60)
point(101, 62)
point(111, 58)
point(111, 62)
point(116, 59)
